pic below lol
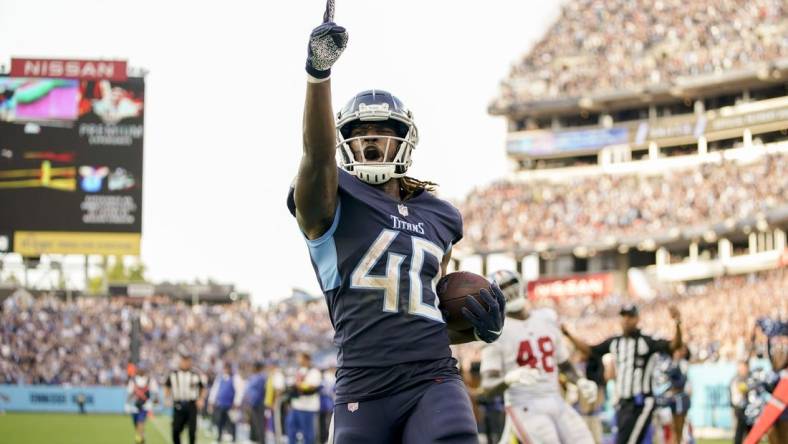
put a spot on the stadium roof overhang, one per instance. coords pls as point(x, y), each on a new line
point(683, 88)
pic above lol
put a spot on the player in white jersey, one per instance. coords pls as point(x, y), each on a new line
point(524, 363)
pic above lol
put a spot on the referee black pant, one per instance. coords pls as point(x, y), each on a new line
point(184, 413)
point(742, 429)
point(633, 419)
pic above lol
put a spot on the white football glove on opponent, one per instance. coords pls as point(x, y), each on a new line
point(588, 390)
point(522, 376)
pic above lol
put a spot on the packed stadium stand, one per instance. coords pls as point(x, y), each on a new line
point(583, 210)
point(615, 46)
point(646, 140)
point(714, 330)
point(47, 340)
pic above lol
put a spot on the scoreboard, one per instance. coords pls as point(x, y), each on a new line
point(71, 158)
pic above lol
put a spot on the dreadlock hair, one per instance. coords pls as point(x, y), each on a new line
point(409, 186)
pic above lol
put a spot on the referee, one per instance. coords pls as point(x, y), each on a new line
point(635, 356)
point(186, 388)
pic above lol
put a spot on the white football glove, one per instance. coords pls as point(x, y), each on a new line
point(130, 408)
point(522, 376)
point(588, 390)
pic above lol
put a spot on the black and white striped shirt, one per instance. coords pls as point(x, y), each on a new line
point(635, 357)
point(185, 385)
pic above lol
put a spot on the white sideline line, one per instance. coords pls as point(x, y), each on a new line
point(157, 427)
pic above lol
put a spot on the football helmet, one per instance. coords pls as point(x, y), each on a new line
point(512, 286)
point(376, 106)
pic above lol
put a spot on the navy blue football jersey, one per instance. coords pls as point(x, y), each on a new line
point(378, 265)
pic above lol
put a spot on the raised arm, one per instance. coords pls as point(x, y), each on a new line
point(316, 186)
point(579, 344)
point(678, 340)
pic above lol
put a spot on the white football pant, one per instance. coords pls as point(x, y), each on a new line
point(545, 420)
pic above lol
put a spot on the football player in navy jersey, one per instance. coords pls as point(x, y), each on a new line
point(379, 242)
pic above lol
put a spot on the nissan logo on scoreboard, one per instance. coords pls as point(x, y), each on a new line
point(70, 69)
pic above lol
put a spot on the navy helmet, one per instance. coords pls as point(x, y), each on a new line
point(376, 106)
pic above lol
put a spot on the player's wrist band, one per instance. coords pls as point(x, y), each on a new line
point(312, 79)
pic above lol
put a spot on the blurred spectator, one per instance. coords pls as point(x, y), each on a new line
point(599, 46)
point(225, 395)
point(253, 398)
point(738, 395)
point(304, 402)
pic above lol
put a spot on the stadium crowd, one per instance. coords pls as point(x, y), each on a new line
point(609, 45)
point(49, 341)
point(719, 318)
point(585, 210)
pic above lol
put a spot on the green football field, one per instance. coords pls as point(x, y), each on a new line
point(51, 428)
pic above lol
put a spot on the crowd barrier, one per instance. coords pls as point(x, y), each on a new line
point(709, 385)
point(52, 398)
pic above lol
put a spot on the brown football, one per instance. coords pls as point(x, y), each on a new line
point(452, 290)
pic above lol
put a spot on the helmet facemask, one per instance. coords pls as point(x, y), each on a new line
point(380, 171)
point(512, 287)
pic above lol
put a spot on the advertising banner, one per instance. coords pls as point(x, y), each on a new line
point(546, 143)
point(596, 285)
point(53, 398)
point(665, 131)
point(37, 398)
point(73, 69)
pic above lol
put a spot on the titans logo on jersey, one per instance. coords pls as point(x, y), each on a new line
point(378, 265)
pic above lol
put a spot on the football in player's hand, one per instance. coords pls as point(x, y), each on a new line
point(452, 290)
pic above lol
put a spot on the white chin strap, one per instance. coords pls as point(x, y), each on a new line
point(375, 174)
point(515, 306)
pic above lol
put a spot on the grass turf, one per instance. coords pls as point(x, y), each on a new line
point(53, 428)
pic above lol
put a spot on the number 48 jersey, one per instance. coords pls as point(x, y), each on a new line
point(535, 342)
point(378, 265)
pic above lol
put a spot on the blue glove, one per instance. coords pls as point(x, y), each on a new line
point(487, 324)
point(326, 44)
